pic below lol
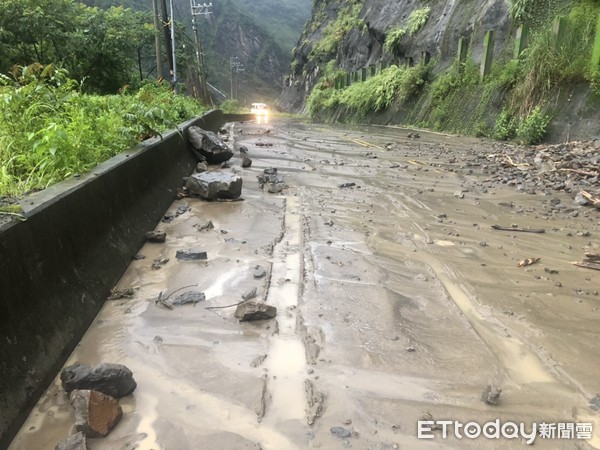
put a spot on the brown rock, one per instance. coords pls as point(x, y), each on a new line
point(95, 413)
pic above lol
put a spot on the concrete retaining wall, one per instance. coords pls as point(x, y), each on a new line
point(58, 266)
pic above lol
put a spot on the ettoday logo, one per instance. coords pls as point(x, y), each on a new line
point(506, 430)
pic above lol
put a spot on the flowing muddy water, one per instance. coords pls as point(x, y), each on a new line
point(396, 301)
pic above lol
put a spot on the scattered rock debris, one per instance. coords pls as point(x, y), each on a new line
point(491, 395)
point(77, 441)
point(271, 179)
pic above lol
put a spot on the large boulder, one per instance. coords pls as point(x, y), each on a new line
point(214, 185)
point(115, 380)
point(254, 310)
point(207, 146)
point(95, 413)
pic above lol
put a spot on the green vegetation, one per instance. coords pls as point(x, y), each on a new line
point(347, 19)
point(516, 101)
point(417, 20)
point(109, 48)
point(394, 84)
point(392, 39)
point(50, 129)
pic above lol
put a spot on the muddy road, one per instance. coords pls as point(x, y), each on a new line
point(397, 301)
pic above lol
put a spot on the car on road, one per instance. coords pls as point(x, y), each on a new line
point(260, 109)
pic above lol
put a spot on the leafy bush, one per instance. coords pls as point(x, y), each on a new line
point(392, 39)
point(457, 76)
point(417, 19)
point(231, 106)
point(505, 126)
point(321, 98)
point(49, 130)
point(375, 94)
point(532, 129)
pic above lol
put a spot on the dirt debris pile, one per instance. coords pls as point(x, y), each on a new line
point(570, 167)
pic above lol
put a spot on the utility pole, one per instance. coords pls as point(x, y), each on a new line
point(235, 66)
point(166, 29)
point(157, 40)
point(200, 10)
point(174, 77)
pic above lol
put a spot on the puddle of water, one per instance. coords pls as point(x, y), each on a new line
point(286, 362)
point(287, 365)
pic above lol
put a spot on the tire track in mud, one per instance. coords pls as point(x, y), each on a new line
point(286, 361)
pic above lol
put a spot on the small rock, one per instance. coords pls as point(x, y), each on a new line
point(156, 236)
point(249, 294)
point(76, 441)
point(341, 432)
point(260, 272)
point(95, 413)
point(347, 185)
point(410, 349)
point(254, 310)
point(192, 297)
point(595, 403)
point(258, 361)
point(459, 194)
point(115, 380)
point(491, 395)
point(184, 255)
point(581, 200)
point(206, 226)
point(201, 167)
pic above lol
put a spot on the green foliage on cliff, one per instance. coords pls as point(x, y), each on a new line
point(392, 39)
point(348, 18)
point(50, 130)
point(417, 20)
point(394, 84)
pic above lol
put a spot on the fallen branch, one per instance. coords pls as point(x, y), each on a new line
point(528, 262)
point(586, 265)
point(180, 289)
point(162, 302)
point(223, 307)
point(514, 164)
point(586, 173)
point(593, 200)
point(524, 230)
point(591, 261)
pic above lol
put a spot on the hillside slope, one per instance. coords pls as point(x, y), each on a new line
point(429, 84)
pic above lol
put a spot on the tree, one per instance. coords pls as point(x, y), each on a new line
point(106, 48)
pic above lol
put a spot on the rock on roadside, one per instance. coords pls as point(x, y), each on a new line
point(95, 413)
point(254, 310)
point(115, 380)
point(214, 185)
point(208, 146)
point(76, 441)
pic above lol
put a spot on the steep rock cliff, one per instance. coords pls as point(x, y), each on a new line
point(349, 36)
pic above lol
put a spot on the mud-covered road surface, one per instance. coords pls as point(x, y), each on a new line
point(397, 301)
